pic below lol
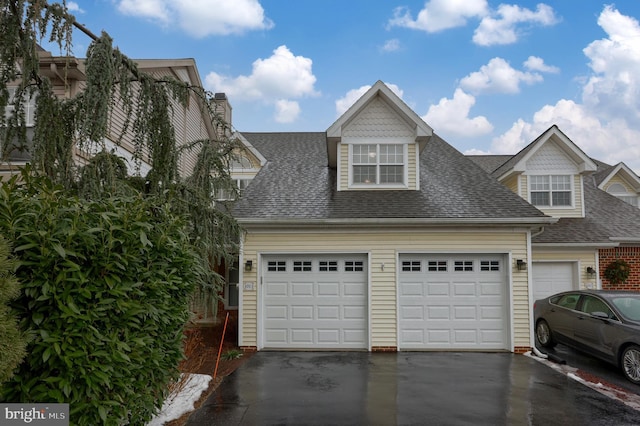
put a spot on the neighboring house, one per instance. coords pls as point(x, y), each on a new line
point(378, 235)
point(599, 219)
point(190, 122)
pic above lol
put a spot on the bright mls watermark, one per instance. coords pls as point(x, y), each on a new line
point(35, 414)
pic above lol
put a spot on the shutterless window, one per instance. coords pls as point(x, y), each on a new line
point(302, 266)
point(489, 265)
point(437, 266)
point(353, 266)
point(411, 265)
point(378, 163)
point(328, 266)
point(276, 266)
point(552, 190)
point(463, 265)
point(29, 107)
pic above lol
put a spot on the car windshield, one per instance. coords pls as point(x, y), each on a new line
point(629, 306)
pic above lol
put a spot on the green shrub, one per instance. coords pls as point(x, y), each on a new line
point(106, 286)
point(12, 342)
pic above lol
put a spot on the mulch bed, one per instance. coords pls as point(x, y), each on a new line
point(201, 348)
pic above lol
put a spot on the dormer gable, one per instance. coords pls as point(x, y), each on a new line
point(376, 143)
point(623, 183)
point(549, 174)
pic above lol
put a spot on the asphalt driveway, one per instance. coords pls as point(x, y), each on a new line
point(405, 388)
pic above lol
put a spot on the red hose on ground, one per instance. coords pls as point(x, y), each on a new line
point(215, 372)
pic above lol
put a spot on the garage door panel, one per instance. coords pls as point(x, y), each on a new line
point(438, 288)
point(465, 302)
point(329, 312)
point(438, 313)
point(322, 304)
point(277, 289)
point(302, 289)
point(328, 289)
point(302, 312)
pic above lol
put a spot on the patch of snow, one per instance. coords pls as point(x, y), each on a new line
point(177, 405)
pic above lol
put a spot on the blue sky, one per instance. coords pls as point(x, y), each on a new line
point(488, 77)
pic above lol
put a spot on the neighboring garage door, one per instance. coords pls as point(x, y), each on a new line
point(551, 278)
point(453, 302)
point(315, 301)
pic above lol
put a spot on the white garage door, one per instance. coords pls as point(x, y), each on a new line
point(551, 278)
point(315, 301)
point(453, 302)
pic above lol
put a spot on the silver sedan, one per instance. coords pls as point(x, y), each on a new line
point(605, 324)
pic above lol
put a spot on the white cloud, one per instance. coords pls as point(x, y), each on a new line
point(451, 117)
point(439, 15)
point(503, 28)
point(391, 45)
point(201, 18)
point(344, 103)
point(497, 77)
point(535, 63)
point(280, 76)
point(286, 111)
point(605, 125)
point(275, 80)
point(72, 6)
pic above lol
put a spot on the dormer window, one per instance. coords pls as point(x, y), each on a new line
point(550, 190)
point(378, 164)
point(621, 192)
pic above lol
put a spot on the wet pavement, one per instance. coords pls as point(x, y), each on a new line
point(405, 388)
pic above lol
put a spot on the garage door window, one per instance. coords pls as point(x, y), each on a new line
point(490, 265)
point(353, 266)
point(328, 266)
point(463, 266)
point(411, 266)
point(437, 266)
point(302, 266)
point(277, 266)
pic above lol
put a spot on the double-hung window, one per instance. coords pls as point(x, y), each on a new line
point(551, 190)
point(378, 164)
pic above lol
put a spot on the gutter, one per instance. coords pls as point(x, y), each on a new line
point(398, 222)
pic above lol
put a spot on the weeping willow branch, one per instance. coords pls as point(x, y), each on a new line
point(63, 126)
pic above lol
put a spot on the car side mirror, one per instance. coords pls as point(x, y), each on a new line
point(600, 315)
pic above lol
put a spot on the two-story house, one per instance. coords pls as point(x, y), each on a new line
point(378, 235)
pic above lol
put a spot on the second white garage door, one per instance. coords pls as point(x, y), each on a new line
point(453, 302)
point(315, 301)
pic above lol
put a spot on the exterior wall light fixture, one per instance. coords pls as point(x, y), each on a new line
point(248, 265)
point(521, 265)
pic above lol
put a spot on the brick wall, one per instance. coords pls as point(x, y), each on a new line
point(632, 256)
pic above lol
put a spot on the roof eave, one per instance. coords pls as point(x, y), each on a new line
point(397, 222)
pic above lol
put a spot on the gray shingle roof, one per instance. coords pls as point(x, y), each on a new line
point(296, 183)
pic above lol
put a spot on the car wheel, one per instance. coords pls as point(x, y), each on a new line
point(543, 334)
point(630, 363)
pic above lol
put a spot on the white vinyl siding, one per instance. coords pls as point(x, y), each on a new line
point(383, 248)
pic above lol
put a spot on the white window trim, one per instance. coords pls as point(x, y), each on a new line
point(549, 175)
point(626, 193)
point(405, 155)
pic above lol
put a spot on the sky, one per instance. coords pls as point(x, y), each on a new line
point(488, 77)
